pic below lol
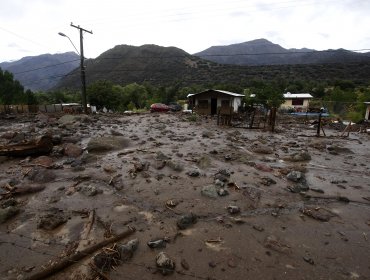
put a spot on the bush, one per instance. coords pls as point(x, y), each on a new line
point(354, 116)
point(193, 118)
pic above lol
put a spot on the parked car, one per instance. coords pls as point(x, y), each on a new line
point(159, 107)
point(174, 107)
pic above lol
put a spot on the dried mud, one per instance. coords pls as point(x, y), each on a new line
point(155, 174)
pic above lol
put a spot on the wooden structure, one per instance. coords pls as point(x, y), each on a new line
point(367, 114)
point(299, 102)
point(212, 102)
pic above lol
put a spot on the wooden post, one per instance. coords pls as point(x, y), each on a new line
point(318, 126)
point(273, 119)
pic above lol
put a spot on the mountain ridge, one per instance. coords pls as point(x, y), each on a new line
point(264, 52)
point(32, 71)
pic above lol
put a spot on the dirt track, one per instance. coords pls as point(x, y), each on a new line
point(310, 224)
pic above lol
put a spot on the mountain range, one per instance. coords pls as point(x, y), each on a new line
point(42, 72)
point(158, 65)
point(264, 52)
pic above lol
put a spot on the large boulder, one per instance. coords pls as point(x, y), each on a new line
point(106, 143)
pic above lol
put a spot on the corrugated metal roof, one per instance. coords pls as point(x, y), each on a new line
point(220, 91)
point(289, 95)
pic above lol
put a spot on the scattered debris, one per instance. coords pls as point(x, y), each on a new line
point(40, 146)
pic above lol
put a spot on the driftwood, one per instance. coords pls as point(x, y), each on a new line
point(78, 256)
point(21, 191)
point(40, 146)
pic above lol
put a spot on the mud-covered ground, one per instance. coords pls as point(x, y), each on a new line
point(283, 205)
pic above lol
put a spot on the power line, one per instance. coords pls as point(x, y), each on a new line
point(48, 66)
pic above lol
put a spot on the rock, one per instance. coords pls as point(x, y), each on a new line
point(7, 213)
point(90, 190)
point(72, 150)
point(52, 220)
point(115, 133)
point(161, 156)
point(186, 221)
point(207, 134)
point(174, 165)
point(204, 162)
point(295, 176)
point(233, 209)
point(317, 190)
point(106, 143)
point(210, 191)
point(164, 264)
point(7, 203)
point(222, 192)
point(309, 260)
point(193, 173)
point(45, 161)
point(66, 119)
point(88, 158)
point(263, 167)
point(185, 264)
point(298, 188)
point(299, 178)
point(336, 150)
point(272, 242)
point(261, 148)
point(19, 137)
point(127, 250)
point(157, 243)
point(300, 156)
point(41, 175)
point(317, 213)
point(267, 181)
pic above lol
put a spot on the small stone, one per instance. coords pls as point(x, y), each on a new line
point(210, 191)
point(164, 264)
point(193, 173)
point(232, 209)
point(309, 260)
point(185, 264)
point(127, 250)
point(157, 243)
point(7, 213)
point(212, 264)
point(186, 221)
point(52, 220)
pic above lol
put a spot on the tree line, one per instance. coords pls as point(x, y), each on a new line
point(342, 97)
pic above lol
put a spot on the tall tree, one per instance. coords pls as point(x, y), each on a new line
point(11, 91)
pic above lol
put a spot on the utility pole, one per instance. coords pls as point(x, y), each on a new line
point(83, 77)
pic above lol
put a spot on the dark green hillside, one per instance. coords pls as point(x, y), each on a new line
point(164, 66)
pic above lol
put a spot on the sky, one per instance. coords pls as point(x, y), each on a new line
point(30, 27)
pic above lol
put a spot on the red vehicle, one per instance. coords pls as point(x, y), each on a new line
point(159, 107)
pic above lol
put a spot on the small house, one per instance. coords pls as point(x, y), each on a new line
point(367, 114)
point(297, 101)
point(212, 101)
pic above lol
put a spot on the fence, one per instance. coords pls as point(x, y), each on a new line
point(51, 108)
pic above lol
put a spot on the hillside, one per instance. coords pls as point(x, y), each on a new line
point(264, 52)
point(50, 68)
point(126, 64)
point(166, 65)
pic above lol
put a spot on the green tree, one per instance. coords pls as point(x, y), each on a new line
point(101, 94)
point(11, 91)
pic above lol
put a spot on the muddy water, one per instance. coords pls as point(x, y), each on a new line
point(269, 239)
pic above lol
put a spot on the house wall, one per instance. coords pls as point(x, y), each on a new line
point(233, 103)
point(367, 114)
point(288, 104)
